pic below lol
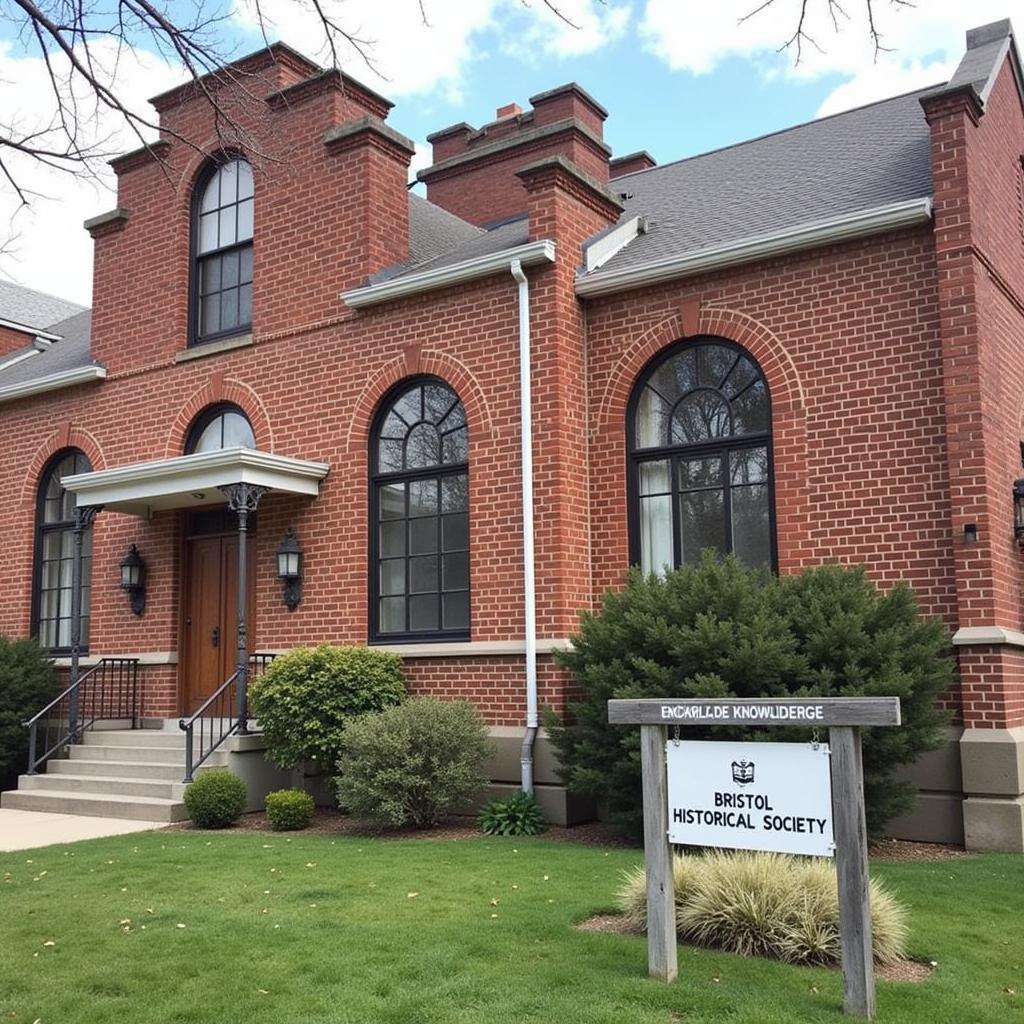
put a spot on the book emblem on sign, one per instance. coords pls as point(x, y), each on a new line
point(743, 772)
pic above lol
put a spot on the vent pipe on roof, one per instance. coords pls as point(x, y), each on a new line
point(529, 583)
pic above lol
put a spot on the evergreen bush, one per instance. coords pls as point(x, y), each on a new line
point(765, 904)
point(517, 815)
point(289, 810)
point(718, 629)
point(305, 698)
point(215, 799)
point(28, 682)
point(411, 764)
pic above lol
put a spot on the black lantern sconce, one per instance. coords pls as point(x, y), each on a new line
point(289, 568)
point(1018, 510)
point(133, 579)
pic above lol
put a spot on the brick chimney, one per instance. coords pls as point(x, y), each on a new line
point(474, 170)
point(641, 160)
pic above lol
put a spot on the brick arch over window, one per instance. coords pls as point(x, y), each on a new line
point(414, 362)
point(789, 425)
point(213, 392)
point(67, 435)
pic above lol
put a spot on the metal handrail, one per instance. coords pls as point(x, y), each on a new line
point(85, 705)
point(213, 730)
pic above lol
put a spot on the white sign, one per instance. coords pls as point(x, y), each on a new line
point(750, 796)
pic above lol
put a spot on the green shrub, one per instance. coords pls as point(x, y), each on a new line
point(411, 764)
point(289, 810)
point(28, 682)
point(720, 630)
point(305, 698)
point(215, 800)
point(517, 815)
point(765, 904)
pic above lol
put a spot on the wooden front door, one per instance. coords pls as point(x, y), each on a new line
point(210, 630)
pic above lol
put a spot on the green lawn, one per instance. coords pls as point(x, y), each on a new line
point(248, 928)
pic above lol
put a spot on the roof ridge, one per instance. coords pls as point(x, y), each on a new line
point(778, 131)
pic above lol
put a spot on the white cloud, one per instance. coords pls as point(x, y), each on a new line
point(46, 246)
point(533, 31)
point(888, 78)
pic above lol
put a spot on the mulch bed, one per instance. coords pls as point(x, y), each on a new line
point(616, 924)
point(333, 823)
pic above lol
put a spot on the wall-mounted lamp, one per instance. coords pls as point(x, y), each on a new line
point(289, 568)
point(1018, 510)
point(133, 579)
point(970, 533)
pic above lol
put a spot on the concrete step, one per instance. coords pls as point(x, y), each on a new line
point(133, 738)
point(169, 771)
point(139, 755)
point(135, 808)
point(98, 785)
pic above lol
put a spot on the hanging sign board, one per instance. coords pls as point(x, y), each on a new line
point(750, 796)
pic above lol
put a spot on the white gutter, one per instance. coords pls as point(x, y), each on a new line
point(905, 214)
point(529, 584)
point(452, 274)
point(25, 329)
point(65, 379)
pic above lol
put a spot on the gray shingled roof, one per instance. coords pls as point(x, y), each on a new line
point(434, 231)
point(853, 161)
point(71, 352)
point(36, 310)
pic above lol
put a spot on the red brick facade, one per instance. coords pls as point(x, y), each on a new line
point(895, 365)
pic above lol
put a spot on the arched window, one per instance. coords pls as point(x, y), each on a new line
point(220, 426)
point(222, 221)
point(420, 515)
point(700, 458)
point(54, 555)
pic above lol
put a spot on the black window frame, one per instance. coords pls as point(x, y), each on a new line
point(206, 417)
point(377, 480)
point(40, 529)
point(717, 446)
point(203, 179)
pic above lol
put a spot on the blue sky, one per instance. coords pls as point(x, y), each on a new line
point(679, 77)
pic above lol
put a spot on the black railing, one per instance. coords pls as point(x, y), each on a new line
point(216, 719)
point(108, 691)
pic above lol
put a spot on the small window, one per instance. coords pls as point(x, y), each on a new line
point(220, 426)
point(55, 550)
point(420, 516)
point(222, 229)
point(700, 458)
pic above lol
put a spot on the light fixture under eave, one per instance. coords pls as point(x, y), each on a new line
point(133, 579)
point(289, 568)
point(198, 495)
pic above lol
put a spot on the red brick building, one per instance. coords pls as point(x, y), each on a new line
point(804, 348)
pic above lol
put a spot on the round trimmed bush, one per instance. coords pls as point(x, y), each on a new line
point(411, 764)
point(28, 682)
point(215, 800)
point(305, 698)
point(765, 904)
point(517, 815)
point(289, 810)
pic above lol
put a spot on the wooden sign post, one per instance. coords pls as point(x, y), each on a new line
point(843, 718)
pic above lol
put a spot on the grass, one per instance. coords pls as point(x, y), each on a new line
point(310, 929)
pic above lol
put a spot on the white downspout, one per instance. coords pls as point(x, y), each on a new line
point(529, 586)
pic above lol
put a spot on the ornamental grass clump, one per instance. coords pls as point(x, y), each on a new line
point(289, 810)
point(765, 904)
point(215, 800)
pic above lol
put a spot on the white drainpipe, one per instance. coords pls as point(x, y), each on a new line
point(529, 588)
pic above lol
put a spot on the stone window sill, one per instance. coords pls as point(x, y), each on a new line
point(212, 348)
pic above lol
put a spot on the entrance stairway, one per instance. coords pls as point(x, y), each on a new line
point(114, 773)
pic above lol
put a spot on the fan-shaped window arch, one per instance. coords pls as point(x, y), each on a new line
point(220, 426)
point(54, 555)
point(222, 232)
point(419, 466)
point(699, 438)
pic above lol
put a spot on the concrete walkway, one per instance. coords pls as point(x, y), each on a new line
point(24, 830)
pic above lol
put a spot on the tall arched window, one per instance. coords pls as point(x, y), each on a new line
point(220, 426)
point(419, 546)
point(222, 228)
point(54, 555)
point(700, 458)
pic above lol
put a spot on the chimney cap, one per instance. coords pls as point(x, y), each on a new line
point(561, 90)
